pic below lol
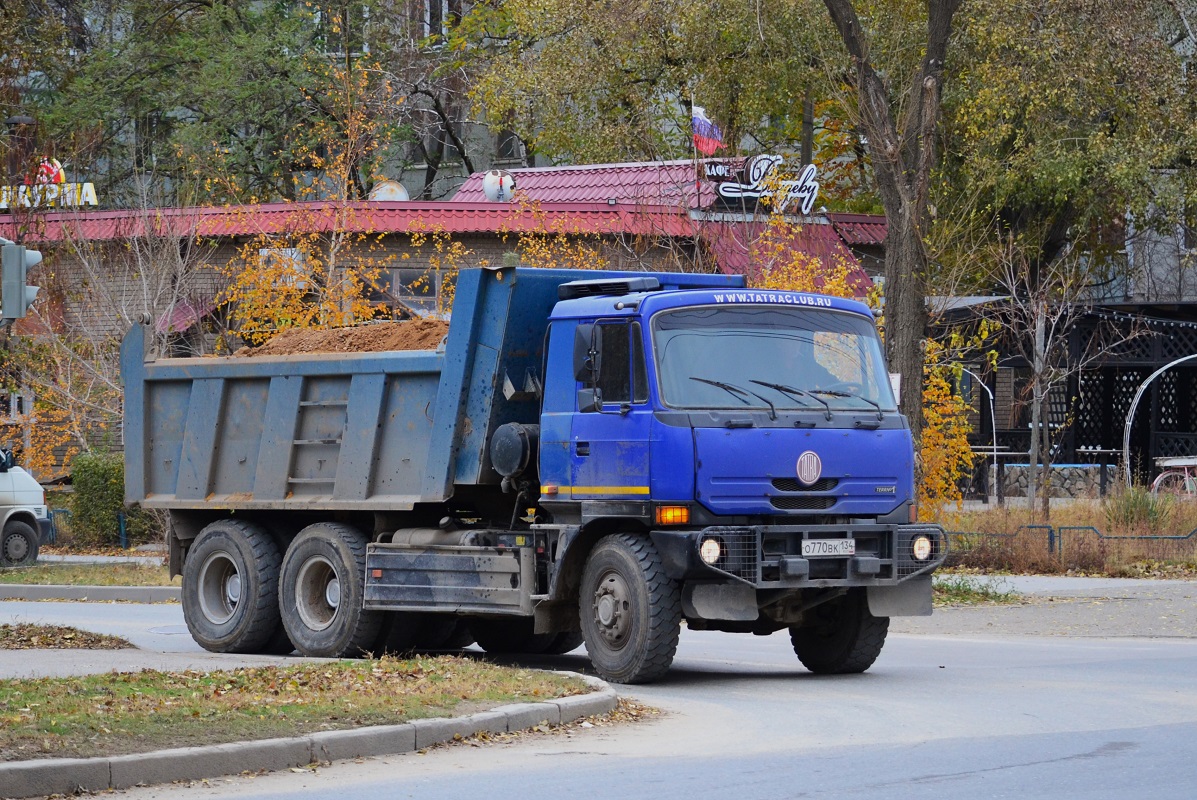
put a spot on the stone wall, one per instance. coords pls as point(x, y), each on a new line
point(1067, 480)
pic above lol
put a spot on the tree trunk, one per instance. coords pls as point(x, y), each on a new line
point(1034, 482)
point(902, 157)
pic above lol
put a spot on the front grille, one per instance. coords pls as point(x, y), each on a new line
point(792, 485)
point(791, 503)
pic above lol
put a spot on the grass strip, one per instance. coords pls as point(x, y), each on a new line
point(89, 575)
point(122, 713)
point(24, 636)
point(966, 590)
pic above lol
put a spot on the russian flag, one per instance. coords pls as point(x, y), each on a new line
point(707, 136)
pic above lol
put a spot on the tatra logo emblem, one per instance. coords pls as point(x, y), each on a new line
point(810, 467)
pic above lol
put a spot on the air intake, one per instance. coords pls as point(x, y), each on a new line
point(606, 287)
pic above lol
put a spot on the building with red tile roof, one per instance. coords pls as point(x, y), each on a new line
point(656, 215)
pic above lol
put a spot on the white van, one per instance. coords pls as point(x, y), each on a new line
point(23, 509)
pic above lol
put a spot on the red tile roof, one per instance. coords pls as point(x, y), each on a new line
point(653, 183)
point(650, 199)
point(368, 217)
point(860, 230)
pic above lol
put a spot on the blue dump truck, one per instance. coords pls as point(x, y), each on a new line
point(588, 457)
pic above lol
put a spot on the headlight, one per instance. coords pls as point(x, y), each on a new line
point(921, 548)
point(711, 550)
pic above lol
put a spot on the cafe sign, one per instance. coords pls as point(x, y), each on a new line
point(755, 181)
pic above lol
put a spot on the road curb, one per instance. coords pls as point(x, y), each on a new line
point(71, 775)
point(127, 594)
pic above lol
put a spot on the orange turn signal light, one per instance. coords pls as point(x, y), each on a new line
point(673, 515)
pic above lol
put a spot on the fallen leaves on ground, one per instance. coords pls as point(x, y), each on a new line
point(24, 636)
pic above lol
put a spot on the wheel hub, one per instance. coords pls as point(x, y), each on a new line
point(610, 609)
point(219, 588)
point(232, 589)
point(16, 548)
point(317, 593)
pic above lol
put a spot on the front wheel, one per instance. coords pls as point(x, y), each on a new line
point(19, 544)
point(842, 637)
point(321, 589)
point(630, 610)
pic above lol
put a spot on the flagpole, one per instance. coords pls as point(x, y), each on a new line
point(694, 149)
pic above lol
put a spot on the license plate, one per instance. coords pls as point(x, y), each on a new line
point(816, 548)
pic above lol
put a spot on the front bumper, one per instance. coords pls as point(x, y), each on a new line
point(769, 556)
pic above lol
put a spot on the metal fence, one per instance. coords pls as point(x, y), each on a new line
point(1069, 545)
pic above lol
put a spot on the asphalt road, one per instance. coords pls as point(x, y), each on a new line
point(954, 710)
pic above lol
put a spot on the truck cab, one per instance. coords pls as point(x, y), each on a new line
point(753, 437)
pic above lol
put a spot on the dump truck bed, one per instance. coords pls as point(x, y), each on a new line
point(360, 431)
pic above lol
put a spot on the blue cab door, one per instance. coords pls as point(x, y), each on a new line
point(609, 448)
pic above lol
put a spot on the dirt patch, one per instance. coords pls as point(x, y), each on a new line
point(416, 334)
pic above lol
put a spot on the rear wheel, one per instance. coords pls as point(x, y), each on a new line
point(630, 610)
point(230, 588)
point(18, 544)
point(321, 589)
point(842, 637)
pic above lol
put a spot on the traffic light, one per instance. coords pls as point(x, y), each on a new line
point(15, 296)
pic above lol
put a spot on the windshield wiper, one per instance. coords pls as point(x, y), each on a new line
point(790, 390)
point(738, 393)
point(833, 393)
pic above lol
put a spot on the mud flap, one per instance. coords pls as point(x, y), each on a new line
point(731, 601)
point(910, 598)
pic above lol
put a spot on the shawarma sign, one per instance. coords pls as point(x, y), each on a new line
point(49, 189)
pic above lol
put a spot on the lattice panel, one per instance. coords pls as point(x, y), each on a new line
point(1175, 445)
point(1016, 441)
point(1177, 342)
point(1123, 385)
point(1167, 414)
point(1057, 406)
point(1140, 348)
point(1091, 423)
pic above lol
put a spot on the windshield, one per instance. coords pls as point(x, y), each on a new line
point(770, 358)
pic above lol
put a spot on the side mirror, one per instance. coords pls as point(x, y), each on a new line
point(7, 461)
point(588, 343)
point(590, 400)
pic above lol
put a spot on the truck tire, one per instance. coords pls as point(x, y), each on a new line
point(19, 544)
point(630, 611)
point(842, 638)
point(320, 592)
point(230, 587)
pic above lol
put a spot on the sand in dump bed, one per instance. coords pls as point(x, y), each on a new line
point(416, 334)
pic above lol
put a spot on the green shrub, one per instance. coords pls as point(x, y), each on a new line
point(1135, 510)
point(99, 500)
